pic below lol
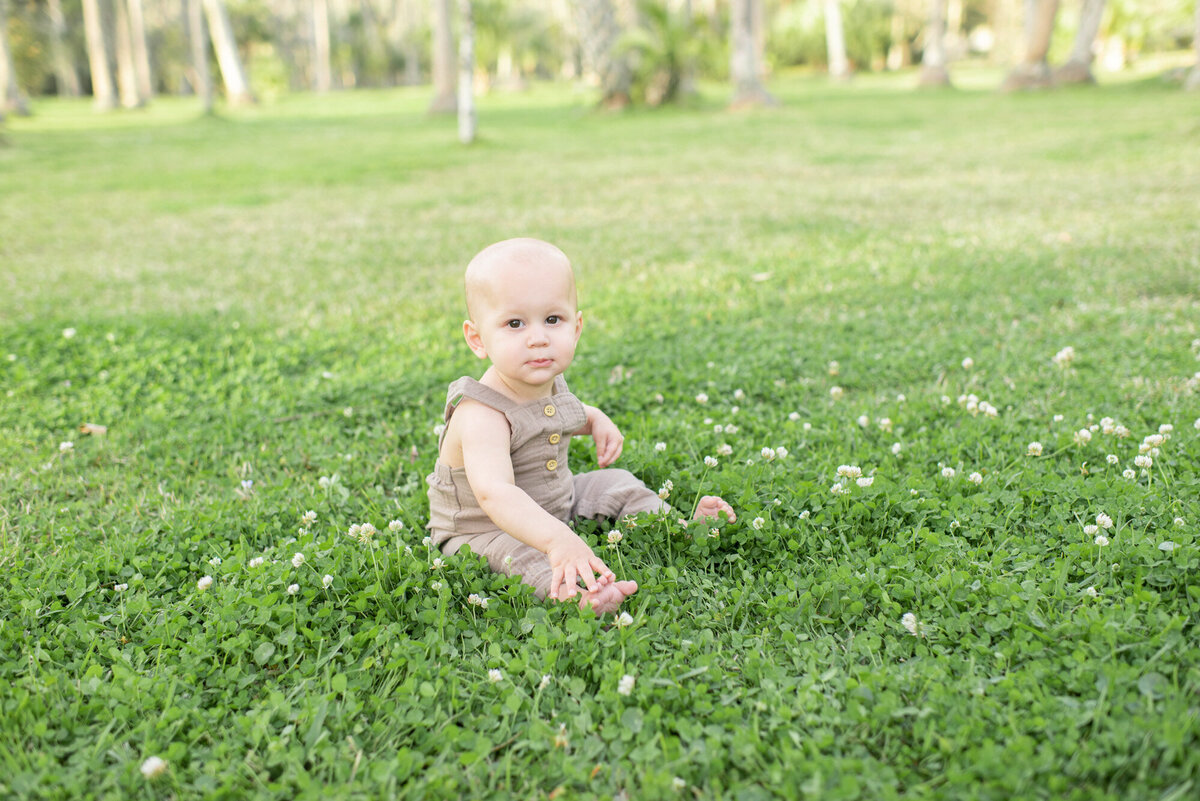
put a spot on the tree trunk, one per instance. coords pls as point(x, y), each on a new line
point(66, 80)
point(899, 55)
point(237, 88)
point(933, 59)
point(1033, 72)
point(466, 73)
point(1192, 82)
point(1078, 66)
point(835, 41)
point(141, 52)
point(201, 77)
point(104, 92)
point(443, 60)
point(599, 31)
point(10, 92)
point(745, 58)
point(322, 69)
point(127, 82)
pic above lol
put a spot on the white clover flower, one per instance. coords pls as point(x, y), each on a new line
point(909, 621)
point(615, 536)
point(865, 481)
point(324, 482)
point(664, 491)
point(896, 448)
point(1196, 425)
point(863, 421)
point(435, 586)
point(718, 429)
point(723, 449)
point(739, 394)
point(900, 398)
point(1101, 540)
point(988, 409)
point(1179, 521)
point(1129, 473)
point(427, 541)
point(66, 447)
point(836, 393)
point(834, 368)
point(805, 514)
point(625, 686)
point(297, 559)
point(255, 562)
point(1121, 431)
point(1166, 546)
point(1165, 429)
point(758, 523)
point(849, 471)
point(154, 766)
point(713, 533)
point(365, 532)
point(120, 587)
point(215, 561)
point(1058, 418)
point(838, 489)
point(710, 461)
point(561, 740)
point(439, 429)
point(204, 583)
point(730, 428)
point(395, 526)
point(1091, 530)
point(68, 333)
point(678, 784)
point(293, 589)
point(545, 682)
point(508, 560)
point(1083, 436)
point(437, 564)
point(807, 426)
point(973, 406)
point(1034, 449)
point(794, 416)
point(948, 472)
point(327, 580)
point(1104, 521)
point(1143, 461)
point(768, 454)
point(945, 400)
point(1112, 459)
point(968, 363)
point(624, 619)
point(885, 424)
point(975, 478)
point(474, 599)
point(1107, 425)
point(494, 675)
point(1065, 356)
point(702, 398)
point(1091, 592)
point(1153, 441)
point(309, 518)
point(659, 447)
point(781, 452)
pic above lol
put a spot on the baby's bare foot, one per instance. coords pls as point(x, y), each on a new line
point(608, 597)
point(712, 506)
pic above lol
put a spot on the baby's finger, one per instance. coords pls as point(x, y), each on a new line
point(570, 577)
point(556, 577)
point(602, 569)
point(585, 573)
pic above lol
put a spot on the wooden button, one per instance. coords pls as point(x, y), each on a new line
point(552, 464)
point(549, 410)
point(554, 438)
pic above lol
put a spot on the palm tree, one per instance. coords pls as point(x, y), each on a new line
point(10, 94)
point(933, 59)
point(444, 101)
point(745, 55)
point(835, 41)
point(1033, 72)
point(1078, 66)
point(104, 92)
point(237, 87)
point(599, 31)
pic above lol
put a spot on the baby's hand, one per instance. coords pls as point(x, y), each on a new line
point(609, 441)
point(710, 506)
point(571, 558)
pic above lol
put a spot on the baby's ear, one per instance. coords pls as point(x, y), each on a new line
point(474, 341)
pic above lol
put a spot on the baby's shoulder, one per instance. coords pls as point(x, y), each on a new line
point(472, 418)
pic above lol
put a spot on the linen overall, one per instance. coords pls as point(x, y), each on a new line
point(541, 436)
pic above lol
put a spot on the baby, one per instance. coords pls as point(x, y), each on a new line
point(501, 483)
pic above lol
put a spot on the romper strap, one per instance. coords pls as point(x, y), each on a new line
point(467, 387)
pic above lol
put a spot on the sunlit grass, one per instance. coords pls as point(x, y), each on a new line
point(273, 296)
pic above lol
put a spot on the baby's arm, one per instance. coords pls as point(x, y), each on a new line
point(608, 438)
point(488, 464)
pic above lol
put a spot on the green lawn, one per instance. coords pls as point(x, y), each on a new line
point(263, 309)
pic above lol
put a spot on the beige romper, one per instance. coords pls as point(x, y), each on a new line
point(541, 436)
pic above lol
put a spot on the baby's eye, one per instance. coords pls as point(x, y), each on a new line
point(553, 319)
point(514, 324)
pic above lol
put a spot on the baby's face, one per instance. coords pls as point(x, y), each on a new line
point(526, 322)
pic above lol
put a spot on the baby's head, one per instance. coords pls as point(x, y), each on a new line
point(524, 311)
point(512, 266)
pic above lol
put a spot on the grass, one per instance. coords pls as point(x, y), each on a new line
point(272, 296)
